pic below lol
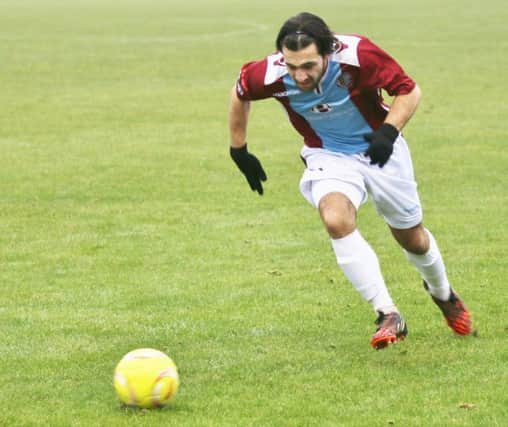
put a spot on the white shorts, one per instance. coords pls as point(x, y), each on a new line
point(393, 188)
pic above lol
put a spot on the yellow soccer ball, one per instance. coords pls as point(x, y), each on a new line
point(146, 378)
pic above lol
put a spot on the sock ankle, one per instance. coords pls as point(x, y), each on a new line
point(360, 264)
point(432, 269)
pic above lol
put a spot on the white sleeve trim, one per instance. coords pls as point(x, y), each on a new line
point(275, 68)
point(349, 53)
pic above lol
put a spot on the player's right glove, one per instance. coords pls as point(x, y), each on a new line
point(381, 144)
point(250, 167)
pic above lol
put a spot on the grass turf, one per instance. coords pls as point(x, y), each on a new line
point(124, 224)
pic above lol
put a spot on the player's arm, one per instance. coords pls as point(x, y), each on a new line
point(248, 164)
point(380, 70)
point(403, 108)
point(238, 119)
point(381, 141)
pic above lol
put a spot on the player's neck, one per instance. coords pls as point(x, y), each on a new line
point(325, 69)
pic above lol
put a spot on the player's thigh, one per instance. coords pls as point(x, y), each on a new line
point(326, 173)
point(394, 189)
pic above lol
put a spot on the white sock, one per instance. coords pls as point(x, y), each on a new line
point(360, 265)
point(431, 267)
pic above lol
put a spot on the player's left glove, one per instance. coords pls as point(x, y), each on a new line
point(381, 144)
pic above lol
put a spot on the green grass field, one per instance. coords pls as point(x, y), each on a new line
point(124, 224)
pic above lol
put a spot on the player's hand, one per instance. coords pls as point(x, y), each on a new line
point(250, 167)
point(381, 144)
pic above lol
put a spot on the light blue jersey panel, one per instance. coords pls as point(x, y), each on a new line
point(331, 113)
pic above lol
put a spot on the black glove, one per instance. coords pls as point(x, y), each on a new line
point(250, 167)
point(381, 144)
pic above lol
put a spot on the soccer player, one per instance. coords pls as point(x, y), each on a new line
point(330, 86)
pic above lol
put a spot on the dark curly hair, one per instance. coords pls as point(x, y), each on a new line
point(302, 30)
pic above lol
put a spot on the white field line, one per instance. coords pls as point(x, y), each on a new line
point(128, 39)
point(12, 142)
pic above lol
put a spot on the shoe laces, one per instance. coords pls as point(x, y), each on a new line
point(382, 317)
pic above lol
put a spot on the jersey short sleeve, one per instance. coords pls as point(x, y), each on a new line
point(379, 70)
point(250, 84)
point(261, 79)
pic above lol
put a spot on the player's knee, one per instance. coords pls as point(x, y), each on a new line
point(338, 225)
point(418, 244)
point(413, 240)
point(338, 215)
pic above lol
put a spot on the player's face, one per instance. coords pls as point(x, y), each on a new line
point(306, 66)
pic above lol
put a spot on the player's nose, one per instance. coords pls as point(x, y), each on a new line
point(300, 76)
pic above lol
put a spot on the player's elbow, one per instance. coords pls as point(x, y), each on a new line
point(234, 96)
point(416, 94)
point(237, 104)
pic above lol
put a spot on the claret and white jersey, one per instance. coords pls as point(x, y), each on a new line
point(345, 106)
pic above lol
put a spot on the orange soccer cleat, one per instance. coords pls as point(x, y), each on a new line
point(455, 312)
point(391, 328)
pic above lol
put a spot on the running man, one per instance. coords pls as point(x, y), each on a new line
point(330, 85)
